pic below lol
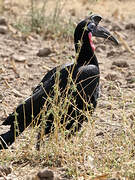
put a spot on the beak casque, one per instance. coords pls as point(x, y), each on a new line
point(96, 19)
point(100, 31)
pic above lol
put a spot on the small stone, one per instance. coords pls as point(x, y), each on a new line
point(44, 52)
point(122, 64)
point(46, 174)
point(110, 53)
point(130, 80)
point(132, 116)
point(100, 133)
point(130, 26)
point(18, 58)
point(3, 29)
point(131, 86)
point(72, 12)
point(3, 21)
point(113, 67)
point(111, 77)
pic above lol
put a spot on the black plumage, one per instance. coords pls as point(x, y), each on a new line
point(82, 76)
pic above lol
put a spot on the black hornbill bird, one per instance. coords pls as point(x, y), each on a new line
point(84, 74)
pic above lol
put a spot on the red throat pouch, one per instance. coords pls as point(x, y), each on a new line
point(91, 42)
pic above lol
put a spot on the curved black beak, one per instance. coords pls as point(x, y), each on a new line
point(103, 33)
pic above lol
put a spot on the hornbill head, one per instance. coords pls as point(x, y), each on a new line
point(90, 27)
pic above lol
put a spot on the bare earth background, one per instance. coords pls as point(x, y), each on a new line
point(21, 70)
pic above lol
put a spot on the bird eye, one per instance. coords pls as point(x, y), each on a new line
point(91, 26)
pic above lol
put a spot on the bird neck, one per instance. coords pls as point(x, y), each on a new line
point(85, 55)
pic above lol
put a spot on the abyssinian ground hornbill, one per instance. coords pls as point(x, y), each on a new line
point(77, 83)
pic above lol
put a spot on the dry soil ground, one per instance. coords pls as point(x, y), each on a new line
point(21, 70)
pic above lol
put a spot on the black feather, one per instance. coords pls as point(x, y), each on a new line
point(85, 75)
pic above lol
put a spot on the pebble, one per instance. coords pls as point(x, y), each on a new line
point(3, 29)
point(3, 21)
point(100, 133)
point(130, 26)
point(111, 77)
point(44, 52)
point(132, 116)
point(122, 64)
point(46, 174)
point(130, 80)
point(111, 53)
point(18, 58)
point(72, 12)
